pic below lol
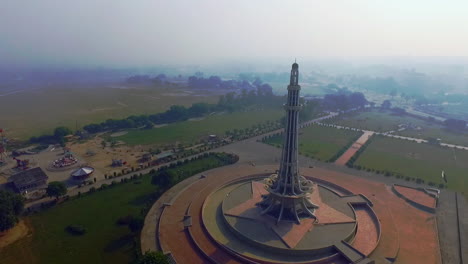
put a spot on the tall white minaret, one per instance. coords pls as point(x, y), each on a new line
point(288, 191)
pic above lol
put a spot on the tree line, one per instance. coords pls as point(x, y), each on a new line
point(260, 95)
point(167, 176)
point(177, 113)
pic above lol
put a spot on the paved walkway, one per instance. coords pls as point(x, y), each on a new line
point(354, 148)
point(387, 134)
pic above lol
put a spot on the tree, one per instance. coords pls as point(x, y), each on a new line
point(455, 124)
point(357, 99)
point(11, 205)
point(152, 257)
point(56, 189)
point(398, 110)
point(113, 143)
point(61, 132)
point(136, 224)
point(162, 179)
point(386, 104)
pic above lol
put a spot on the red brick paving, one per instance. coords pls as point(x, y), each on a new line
point(367, 236)
point(354, 148)
point(326, 214)
point(405, 230)
point(417, 196)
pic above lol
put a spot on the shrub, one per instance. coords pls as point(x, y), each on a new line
point(76, 230)
point(136, 224)
point(124, 220)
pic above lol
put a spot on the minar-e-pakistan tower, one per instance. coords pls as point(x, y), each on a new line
point(250, 214)
point(288, 190)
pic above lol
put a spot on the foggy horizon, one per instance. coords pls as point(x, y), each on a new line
point(149, 33)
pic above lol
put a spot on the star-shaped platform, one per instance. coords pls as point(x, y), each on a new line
point(289, 232)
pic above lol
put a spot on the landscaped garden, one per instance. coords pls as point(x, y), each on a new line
point(190, 131)
point(322, 143)
point(413, 161)
point(386, 120)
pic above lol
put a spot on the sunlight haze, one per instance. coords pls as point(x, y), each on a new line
point(154, 32)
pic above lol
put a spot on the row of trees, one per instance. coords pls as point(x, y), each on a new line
point(177, 113)
point(167, 176)
point(57, 138)
point(455, 124)
point(344, 101)
point(215, 82)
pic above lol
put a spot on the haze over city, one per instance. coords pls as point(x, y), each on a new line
point(141, 33)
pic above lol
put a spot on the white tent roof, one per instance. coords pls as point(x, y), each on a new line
point(82, 172)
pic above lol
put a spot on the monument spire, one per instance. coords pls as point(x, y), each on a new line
point(288, 190)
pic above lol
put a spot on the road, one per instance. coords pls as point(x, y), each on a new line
point(247, 152)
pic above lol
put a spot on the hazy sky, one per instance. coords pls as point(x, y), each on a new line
point(144, 32)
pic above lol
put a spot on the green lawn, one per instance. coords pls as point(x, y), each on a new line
point(104, 242)
point(189, 131)
point(75, 105)
point(415, 160)
point(385, 121)
point(320, 142)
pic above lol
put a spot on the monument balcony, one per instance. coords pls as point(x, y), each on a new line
point(292, 107)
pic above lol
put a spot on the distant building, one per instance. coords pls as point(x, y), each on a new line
point(29, 180)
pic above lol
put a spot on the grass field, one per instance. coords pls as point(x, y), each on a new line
point(189, 131)
point(36, 112)
point(320, 142)
point(378, 121)
point(422, 161)
point(104, 242)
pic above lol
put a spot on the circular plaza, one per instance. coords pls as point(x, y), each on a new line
point(215, 218)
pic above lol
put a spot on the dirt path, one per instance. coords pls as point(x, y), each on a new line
point(14, 234)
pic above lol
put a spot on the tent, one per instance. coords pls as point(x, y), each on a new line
point(82, 173)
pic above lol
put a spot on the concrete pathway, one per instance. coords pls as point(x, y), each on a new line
point(354, 148)
point(388, 134)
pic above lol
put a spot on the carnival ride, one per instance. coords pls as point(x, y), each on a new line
point(67, 160)
point(21, 164)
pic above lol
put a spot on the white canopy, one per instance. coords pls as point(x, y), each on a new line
point(82, 172)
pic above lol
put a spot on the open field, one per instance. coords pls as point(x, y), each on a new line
point(104, 242)
point(385, 121)
point(320, 142)
point(39, 111)
point(189, 131)
point(417, 160)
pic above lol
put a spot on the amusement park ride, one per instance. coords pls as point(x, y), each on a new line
point(22, 164)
